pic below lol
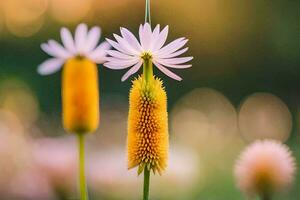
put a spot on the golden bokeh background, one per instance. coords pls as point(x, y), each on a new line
point(243, 86)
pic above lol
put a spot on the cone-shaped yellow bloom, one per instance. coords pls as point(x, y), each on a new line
point(80, 96)
point(148, 139)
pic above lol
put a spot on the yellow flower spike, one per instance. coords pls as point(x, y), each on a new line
point(80, 96)
point(147, 121)
point(148, 138)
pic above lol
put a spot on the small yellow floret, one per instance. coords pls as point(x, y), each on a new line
point(80, 96)
point(148, 138)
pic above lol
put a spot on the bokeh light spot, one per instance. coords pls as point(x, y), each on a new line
point(18, 98)
point(202, 118)
point(262, 116)
point(70, 11)
point(24, 18)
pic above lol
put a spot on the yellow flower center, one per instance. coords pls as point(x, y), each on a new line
point(146, 56)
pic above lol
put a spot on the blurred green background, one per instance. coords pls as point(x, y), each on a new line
point(244, 85)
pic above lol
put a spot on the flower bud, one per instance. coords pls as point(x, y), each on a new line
point(80, 96)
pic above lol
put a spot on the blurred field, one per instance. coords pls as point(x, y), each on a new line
point(244, 85)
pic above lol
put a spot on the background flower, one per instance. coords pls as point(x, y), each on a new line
point(265, 167)
point(84, 44)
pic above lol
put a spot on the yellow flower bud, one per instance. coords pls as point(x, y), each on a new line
point(80, 96)
point(148, 138)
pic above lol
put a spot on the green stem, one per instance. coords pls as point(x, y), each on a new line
point(82, 179)
point(148, 75)
point(147, 65)
point(147, 13)
point(147, 70)
point(146, 183)
point(265, 197)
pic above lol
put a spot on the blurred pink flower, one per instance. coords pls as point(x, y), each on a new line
point(30, 184)
point(265, 167)
point(106, 171)
point(56, 158)
point(107, 167)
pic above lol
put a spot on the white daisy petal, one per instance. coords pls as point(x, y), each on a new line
point(176, 66)
point(162, 38)
point(125, 45)
point(50, 66)
point(155, 36)
point(116, 64)
point(118, 54)
point(67, 40)
point(131, 39)
point(167, 72)
point(108, 65)
point(172, 55)
point(114, 59)
point(145, 36)
point(80, 37)
point(156, 30)
point(98, 55)
point(133, 70)
point(175, 61)
point(59, 50)
point(141, 35)
point(117, 46)
point(92, 39)
point(100, 60)
point(129, 50)
point(172, 47)
point(84, 44)
point(47, 49)
point(52, 51)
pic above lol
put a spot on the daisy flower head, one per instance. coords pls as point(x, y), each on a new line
point(265, 167)
point(83, 45)
point(80, 92)
point(80, 85)
point(150, 48)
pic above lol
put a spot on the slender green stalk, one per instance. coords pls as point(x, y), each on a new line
point(147, 70)
point(146, 183)
point(147, 13)
point(82, 179)
point(148, 76)
point(147, 65)
point(266, 197)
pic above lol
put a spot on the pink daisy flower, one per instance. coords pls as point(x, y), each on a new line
point(131, 52)
point(83, 44)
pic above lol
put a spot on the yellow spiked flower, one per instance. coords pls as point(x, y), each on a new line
point(147, 126)
point(147, 123)
point(148, 118)
point(80, 96)
point(148, 140)
point(80, 93)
